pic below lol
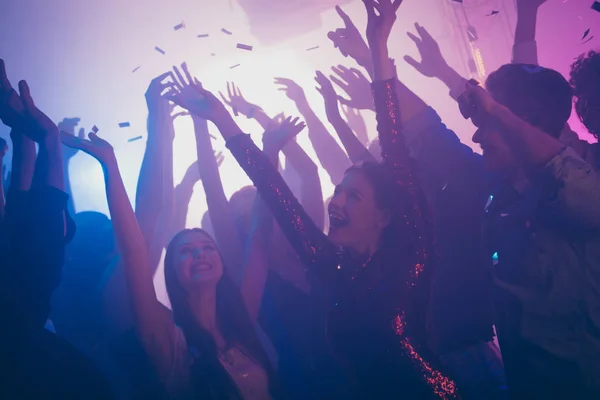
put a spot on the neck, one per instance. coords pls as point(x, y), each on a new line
point(203, 305)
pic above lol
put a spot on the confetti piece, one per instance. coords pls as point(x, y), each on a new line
point(213, 54)
point(587, 32)
point(135, 139)
point(458, 1)
point(472, 33)
point(244, 47)
point(212, 136)
point(161, 51)
point(179, 26)
point(135, 69)
point(124, 125)
point(203, 35)
point(596, 6)
point(225, 31)
point(95, 129)
point(493, 13)
point(588, 40)
point(312, 48)
point(234, 66)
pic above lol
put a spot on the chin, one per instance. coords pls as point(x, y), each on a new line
point(336, 237)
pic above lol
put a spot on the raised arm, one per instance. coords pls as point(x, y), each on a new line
point(68, 125)
point(3, 150)
point(149, 199)
point(153, 324)
point(37, 224)
point(525, 48)
point(355, 149)
point(307, 239)
point(330, 154)
point(257, 256)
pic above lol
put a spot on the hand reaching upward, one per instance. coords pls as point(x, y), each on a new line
point(190, 95)
point(12, 110)
point(292, 90)
point(432, 62)
point(381, 18)
point(356, 86)
point(238, 103)
point(67, 126)
point(96, 147)
point(349, 40)
point(280, 132)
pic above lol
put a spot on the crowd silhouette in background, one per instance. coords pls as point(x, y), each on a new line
point(431, 251)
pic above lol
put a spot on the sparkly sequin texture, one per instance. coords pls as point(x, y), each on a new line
point(370, 323)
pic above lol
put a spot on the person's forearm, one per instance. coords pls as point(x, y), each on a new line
point(455, 83)
point(531, 146)
point(149, 193)
point(526, 24)
point(331, 156)
point(23, 162)
point(68, 190)
point(262, 118)
point(356, 151)
point(524, 48)
point(49, 164)
point(382, 68)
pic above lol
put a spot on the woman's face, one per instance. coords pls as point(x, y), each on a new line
point(197, 260)
point(355, 221)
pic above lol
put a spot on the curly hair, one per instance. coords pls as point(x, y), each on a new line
point(585, 80)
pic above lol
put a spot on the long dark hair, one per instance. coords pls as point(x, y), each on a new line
point(401, 245)
point(209, 377)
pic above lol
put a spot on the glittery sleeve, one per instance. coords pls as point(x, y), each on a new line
point(396, 156)
point(309, 242)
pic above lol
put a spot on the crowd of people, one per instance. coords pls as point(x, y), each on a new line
point(444, 273)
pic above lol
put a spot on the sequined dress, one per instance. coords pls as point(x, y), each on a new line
point(371, 325)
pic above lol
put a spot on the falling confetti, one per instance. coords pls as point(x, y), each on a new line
point(596, 6)
point(234, 66)
point(213, 54)
point(225, 31)
point(161, 51)
point(135, 139)
point(124, 125)
point(588, 40)
point(95, 129)
point(312, 48)
point(493, 13)
point(458, 1)
point(586, 33)
point(203, 35)
point(179, 26)
point(244, 47)
point(135, 69)
point(472, 33)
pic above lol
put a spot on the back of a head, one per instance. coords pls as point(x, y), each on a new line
point(585, 79)
point(541, 96)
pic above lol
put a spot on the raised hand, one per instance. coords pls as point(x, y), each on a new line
point(432, 62)
point(156, 90)
point(292, 90)
point(356, 85)
point(12, 110)
point(96, 147)
point(349, 40)
point(235, 99)
point(190, 95)
point(381, 18)
point(356, 122)
point(476, 103)
point(37, 125)
point(328, 92)
point(68, 125)
point(280, 132)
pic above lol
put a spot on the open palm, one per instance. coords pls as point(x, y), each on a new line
point(96, 147)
